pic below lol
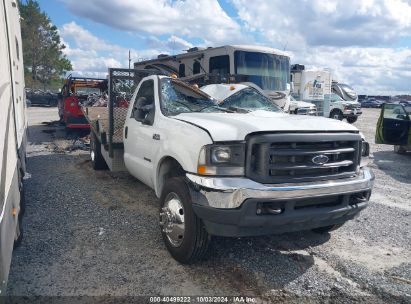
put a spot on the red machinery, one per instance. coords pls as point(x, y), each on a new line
point(75, 91)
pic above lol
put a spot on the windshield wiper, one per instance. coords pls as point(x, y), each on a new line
point(239, 110)
point(218, 108)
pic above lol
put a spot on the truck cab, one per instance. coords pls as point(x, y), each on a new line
point(394, 127)
point(338, 108)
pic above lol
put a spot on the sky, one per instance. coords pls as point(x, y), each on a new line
point(365, 43)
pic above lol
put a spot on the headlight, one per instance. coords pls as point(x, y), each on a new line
point(222, 159)
point(220, 154)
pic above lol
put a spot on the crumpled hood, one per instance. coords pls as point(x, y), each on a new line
point(236, 126)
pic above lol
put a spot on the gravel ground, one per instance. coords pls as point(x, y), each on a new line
point(89, 233)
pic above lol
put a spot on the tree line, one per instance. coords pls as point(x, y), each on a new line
point(45, 64)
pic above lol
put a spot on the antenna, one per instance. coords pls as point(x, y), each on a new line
point(285, 46)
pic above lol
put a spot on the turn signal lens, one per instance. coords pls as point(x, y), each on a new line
point(201, 169)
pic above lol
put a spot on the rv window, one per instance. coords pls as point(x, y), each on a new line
point(220, 65)
point(268, 71)
point(182, 70)
point(17, 49)
point(196, 67)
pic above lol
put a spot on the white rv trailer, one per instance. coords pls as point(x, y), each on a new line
point(13, 125)
point(266, 67)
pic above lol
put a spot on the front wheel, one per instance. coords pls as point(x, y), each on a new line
point(352, 119)
point(336, 114)
point(183, 232)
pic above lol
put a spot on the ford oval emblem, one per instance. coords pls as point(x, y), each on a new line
point(320, 159)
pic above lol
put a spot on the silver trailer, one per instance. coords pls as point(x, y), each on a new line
point(13, 124)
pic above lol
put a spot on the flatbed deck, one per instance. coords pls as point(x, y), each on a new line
point(98, 117)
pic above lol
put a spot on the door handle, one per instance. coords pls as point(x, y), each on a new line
point(126, 132)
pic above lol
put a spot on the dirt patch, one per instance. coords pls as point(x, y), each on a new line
point(375, 257)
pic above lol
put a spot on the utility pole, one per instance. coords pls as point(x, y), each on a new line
point(129, 59)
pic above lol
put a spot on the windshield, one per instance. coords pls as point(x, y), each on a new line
point(249, 99)
point(268, 71)
point(87, 91)
point(333, 97)
point(178, 97)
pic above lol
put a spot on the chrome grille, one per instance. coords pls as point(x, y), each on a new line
point(282, 158)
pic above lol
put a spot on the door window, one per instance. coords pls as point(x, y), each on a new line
point(395, 127)
point(394, 111)
point(143, 108)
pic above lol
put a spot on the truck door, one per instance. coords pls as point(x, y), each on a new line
point(393, 126)
point(141, 140)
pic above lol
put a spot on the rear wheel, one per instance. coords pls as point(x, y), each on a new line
point(97, 158)
point(352, 119)
point(183, 232)
point(336, 114)
point(327, 229)
point(399, 149)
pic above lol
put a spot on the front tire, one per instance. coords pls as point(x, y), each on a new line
point(183, 232)
point(352, 119)
point(336, 114)
point(97, 159)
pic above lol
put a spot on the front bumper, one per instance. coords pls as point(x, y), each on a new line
point(306, 111)
point(352, 112)
point(228, 206)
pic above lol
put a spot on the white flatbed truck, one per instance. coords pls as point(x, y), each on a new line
point(229, 172)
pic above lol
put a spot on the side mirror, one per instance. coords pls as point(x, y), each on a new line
point(146, 108)
point(144, 114)
point(148, 115)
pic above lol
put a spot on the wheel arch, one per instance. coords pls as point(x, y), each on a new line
point(167, 167)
